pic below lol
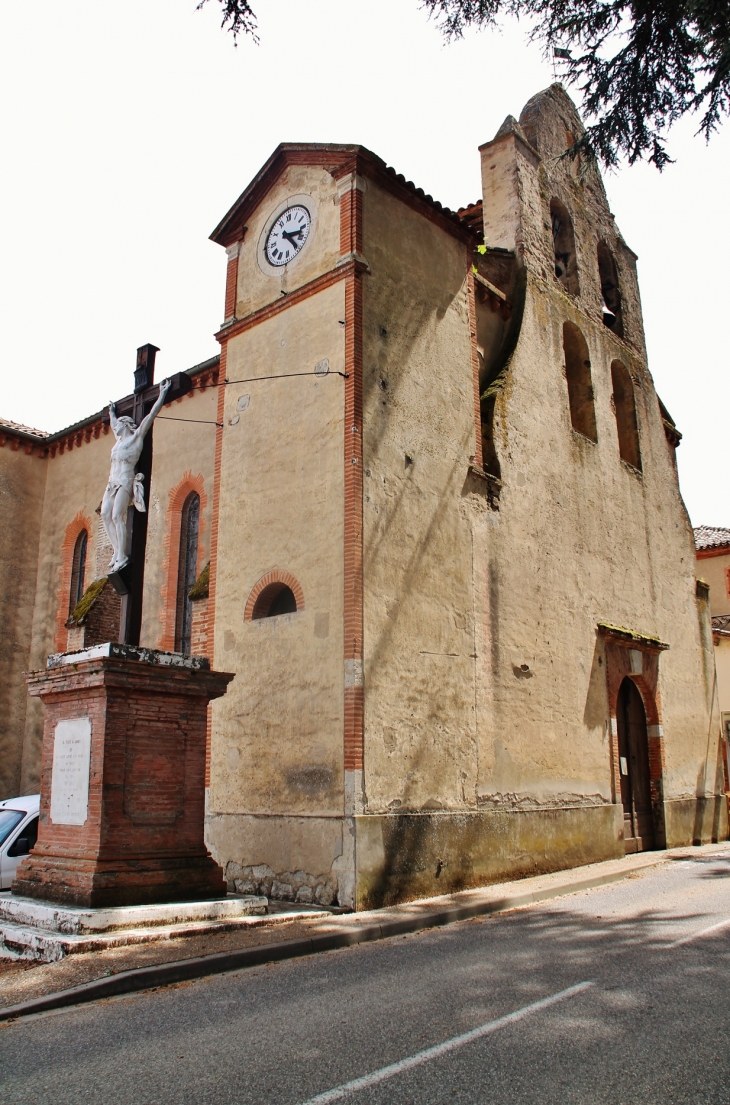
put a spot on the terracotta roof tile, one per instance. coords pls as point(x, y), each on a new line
point(711, 537)
point(21, 429)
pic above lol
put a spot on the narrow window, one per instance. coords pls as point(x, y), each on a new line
point(580, 388)
point(275, 599)
point(187, 571)
point(78, 570)
point(608, 275)
point(490, 330)
point(625, 407)
point(566, 268)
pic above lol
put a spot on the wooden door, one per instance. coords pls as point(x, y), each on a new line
point(633, 746)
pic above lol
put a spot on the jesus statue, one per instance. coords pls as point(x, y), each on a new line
point(124, 487)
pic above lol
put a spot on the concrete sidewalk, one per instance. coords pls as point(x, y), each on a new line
point(27, 988)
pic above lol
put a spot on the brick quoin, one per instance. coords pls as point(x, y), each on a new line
point(351, 208)
point(173, 520)
point(231, 284)
point(73, 529)
point(471, 293)
point(210, 620)
point(199, 628)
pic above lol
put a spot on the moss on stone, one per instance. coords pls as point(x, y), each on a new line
point(631, 633)
point(81, 610)
point(200, 588)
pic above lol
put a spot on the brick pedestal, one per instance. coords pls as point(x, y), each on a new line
point(130, 724)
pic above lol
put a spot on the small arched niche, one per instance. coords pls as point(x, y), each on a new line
point(608, 275)
point(274, 600)
point(566, 267)
point(580, 386)
point(624, 402)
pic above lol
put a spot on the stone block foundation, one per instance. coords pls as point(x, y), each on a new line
point(405, 856)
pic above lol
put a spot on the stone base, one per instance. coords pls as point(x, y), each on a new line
point(696, 820)
point(95, 884)
point(45, 933)
point(123, 779)
point(404, 856)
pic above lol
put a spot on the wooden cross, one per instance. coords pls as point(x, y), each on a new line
point(129, 581)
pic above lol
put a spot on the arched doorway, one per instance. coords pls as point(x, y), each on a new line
point(633, 750)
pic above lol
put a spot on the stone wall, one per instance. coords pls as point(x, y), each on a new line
point(22, 489)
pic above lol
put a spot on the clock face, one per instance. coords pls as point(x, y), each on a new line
point(288, 235)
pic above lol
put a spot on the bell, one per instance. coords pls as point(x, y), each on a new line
point(608, 314)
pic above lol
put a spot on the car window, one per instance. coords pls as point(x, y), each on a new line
point(31, 831)
point(8, 820)
point(26, 839)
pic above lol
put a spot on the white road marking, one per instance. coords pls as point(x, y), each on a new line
point(443, 1049)
point(697, 935)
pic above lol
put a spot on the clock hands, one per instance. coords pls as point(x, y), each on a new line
point(291, 237)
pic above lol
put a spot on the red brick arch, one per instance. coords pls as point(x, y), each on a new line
point(173, 520)
point(73, 529)
point(274, 576)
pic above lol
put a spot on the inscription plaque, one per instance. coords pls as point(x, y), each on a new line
point(70, 778)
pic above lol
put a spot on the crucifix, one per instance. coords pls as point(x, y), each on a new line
point(125, 502)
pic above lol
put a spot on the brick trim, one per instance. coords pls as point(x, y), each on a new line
point(472, 300)
point(704, 554)
point(231, 283)
point(351, 235)
point(326, 280)
point(210, 613)
point(76, 526)
point(338, 161)
point(351, 220)
point(274, 576)
point(171, 556)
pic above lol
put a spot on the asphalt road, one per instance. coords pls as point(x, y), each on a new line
point(615, 995)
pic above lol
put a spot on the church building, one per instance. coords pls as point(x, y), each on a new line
point(424, 505)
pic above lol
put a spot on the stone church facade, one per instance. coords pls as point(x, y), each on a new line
point(425, 506)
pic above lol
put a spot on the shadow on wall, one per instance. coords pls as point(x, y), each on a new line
point(595, 712)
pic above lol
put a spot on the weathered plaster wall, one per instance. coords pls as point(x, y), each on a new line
point(74, 485)
point(580, 538)
point(22, 486)
point(418, 397)
point(321, 252)
point(714, 570)
point(180, 449)
point(276, 794)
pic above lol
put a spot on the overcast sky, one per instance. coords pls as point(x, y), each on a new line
point(130, 126)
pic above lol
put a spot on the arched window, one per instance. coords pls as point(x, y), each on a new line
point(608, 275)
point(580, 388)
point(566, 268)
point(187, 571)
point(625, 407)
point(78, 571)
point(275, 599)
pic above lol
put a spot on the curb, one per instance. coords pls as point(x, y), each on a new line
point(184, 970)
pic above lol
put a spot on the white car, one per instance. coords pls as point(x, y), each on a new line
point(18, 833)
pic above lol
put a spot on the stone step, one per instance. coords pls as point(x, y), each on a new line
point(84, 932)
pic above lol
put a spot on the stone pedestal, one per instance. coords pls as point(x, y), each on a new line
point(123, 779)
